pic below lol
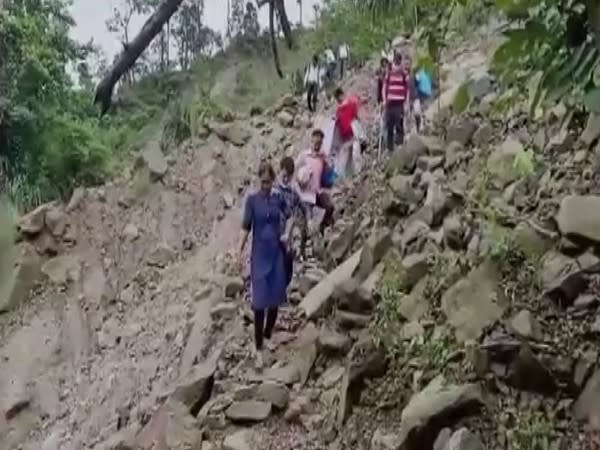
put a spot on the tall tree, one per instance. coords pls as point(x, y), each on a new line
point(153, 26)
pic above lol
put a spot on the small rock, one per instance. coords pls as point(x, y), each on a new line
point(278, 395)
point(161, 256)
point(228, 200)
point(525, 325)
point(297, 407)
point(239, 440)
point(233, 287)
point(248, 411)
point(285, 118)
point(333, 343)
point(131, 232)
point(463, 439)
point(384, 441)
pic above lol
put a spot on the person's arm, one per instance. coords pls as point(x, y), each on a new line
point(246, 225)
point(286, 210)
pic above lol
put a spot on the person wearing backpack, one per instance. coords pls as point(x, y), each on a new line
point(422, 90)
point(315, 174)
point(395, 96)
point(330, 63)
point(312, 83)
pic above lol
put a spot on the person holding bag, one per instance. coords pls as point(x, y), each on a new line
point(349, 155)
point(315, 170)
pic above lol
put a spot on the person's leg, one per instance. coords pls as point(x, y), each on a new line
point(315, 96)
point(400, 125)
point(271, 319)
point(390, 126)
point(308, 96)
point(259, 326)
point(303, 221)
point(324, 202)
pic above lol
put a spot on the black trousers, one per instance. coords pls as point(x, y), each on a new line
point(312, 96)
point(394, 122)
point(342, 68)
point(261, 330)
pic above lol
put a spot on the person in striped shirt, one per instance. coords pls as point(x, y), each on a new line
point(395, 95)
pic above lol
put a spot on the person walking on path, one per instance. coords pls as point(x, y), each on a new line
point(264, 212)
point(395, 96)
point(421, 92)
point(312, 164)
point(343, 54)
point(381, 74)
point(387, 52)
point(349, 158)
point(285, 185)
point(312, 83)
point(331, 63)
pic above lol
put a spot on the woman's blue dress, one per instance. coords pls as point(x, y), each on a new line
point(263, 214)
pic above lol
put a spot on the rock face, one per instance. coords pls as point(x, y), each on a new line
point(474, 302)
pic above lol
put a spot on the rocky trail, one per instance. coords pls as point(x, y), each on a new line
point(472, 265)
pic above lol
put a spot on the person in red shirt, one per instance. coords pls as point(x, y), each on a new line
point(395, 94)
point(350, 133)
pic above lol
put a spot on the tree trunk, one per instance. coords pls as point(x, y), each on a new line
point(283, 18)
point(134, 49)
point(274, 39)
point(284, 22)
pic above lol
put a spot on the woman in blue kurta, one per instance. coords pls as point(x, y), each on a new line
point(263, 214)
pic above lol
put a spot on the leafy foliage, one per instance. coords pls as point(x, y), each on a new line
point(552, 47)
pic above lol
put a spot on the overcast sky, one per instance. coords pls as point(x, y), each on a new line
point(91, 15)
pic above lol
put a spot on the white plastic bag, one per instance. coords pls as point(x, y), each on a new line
point(358, 131)
point(330, 136)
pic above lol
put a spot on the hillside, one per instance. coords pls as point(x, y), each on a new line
point(454, 306)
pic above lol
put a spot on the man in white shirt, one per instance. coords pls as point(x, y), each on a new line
point(312, 83)
point(343, 52)
point(330, 61)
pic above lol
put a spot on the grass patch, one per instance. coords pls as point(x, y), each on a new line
point(530, 431)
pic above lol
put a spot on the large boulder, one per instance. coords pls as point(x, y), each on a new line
point(318, 300)
point(233, 132)
point(32, 223)
point(579, 217)
point(475, 301)
point(373, 251)
point(500, 162)
point(438, 404)
point(153, 158)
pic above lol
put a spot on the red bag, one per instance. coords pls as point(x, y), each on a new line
point(346, 113)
